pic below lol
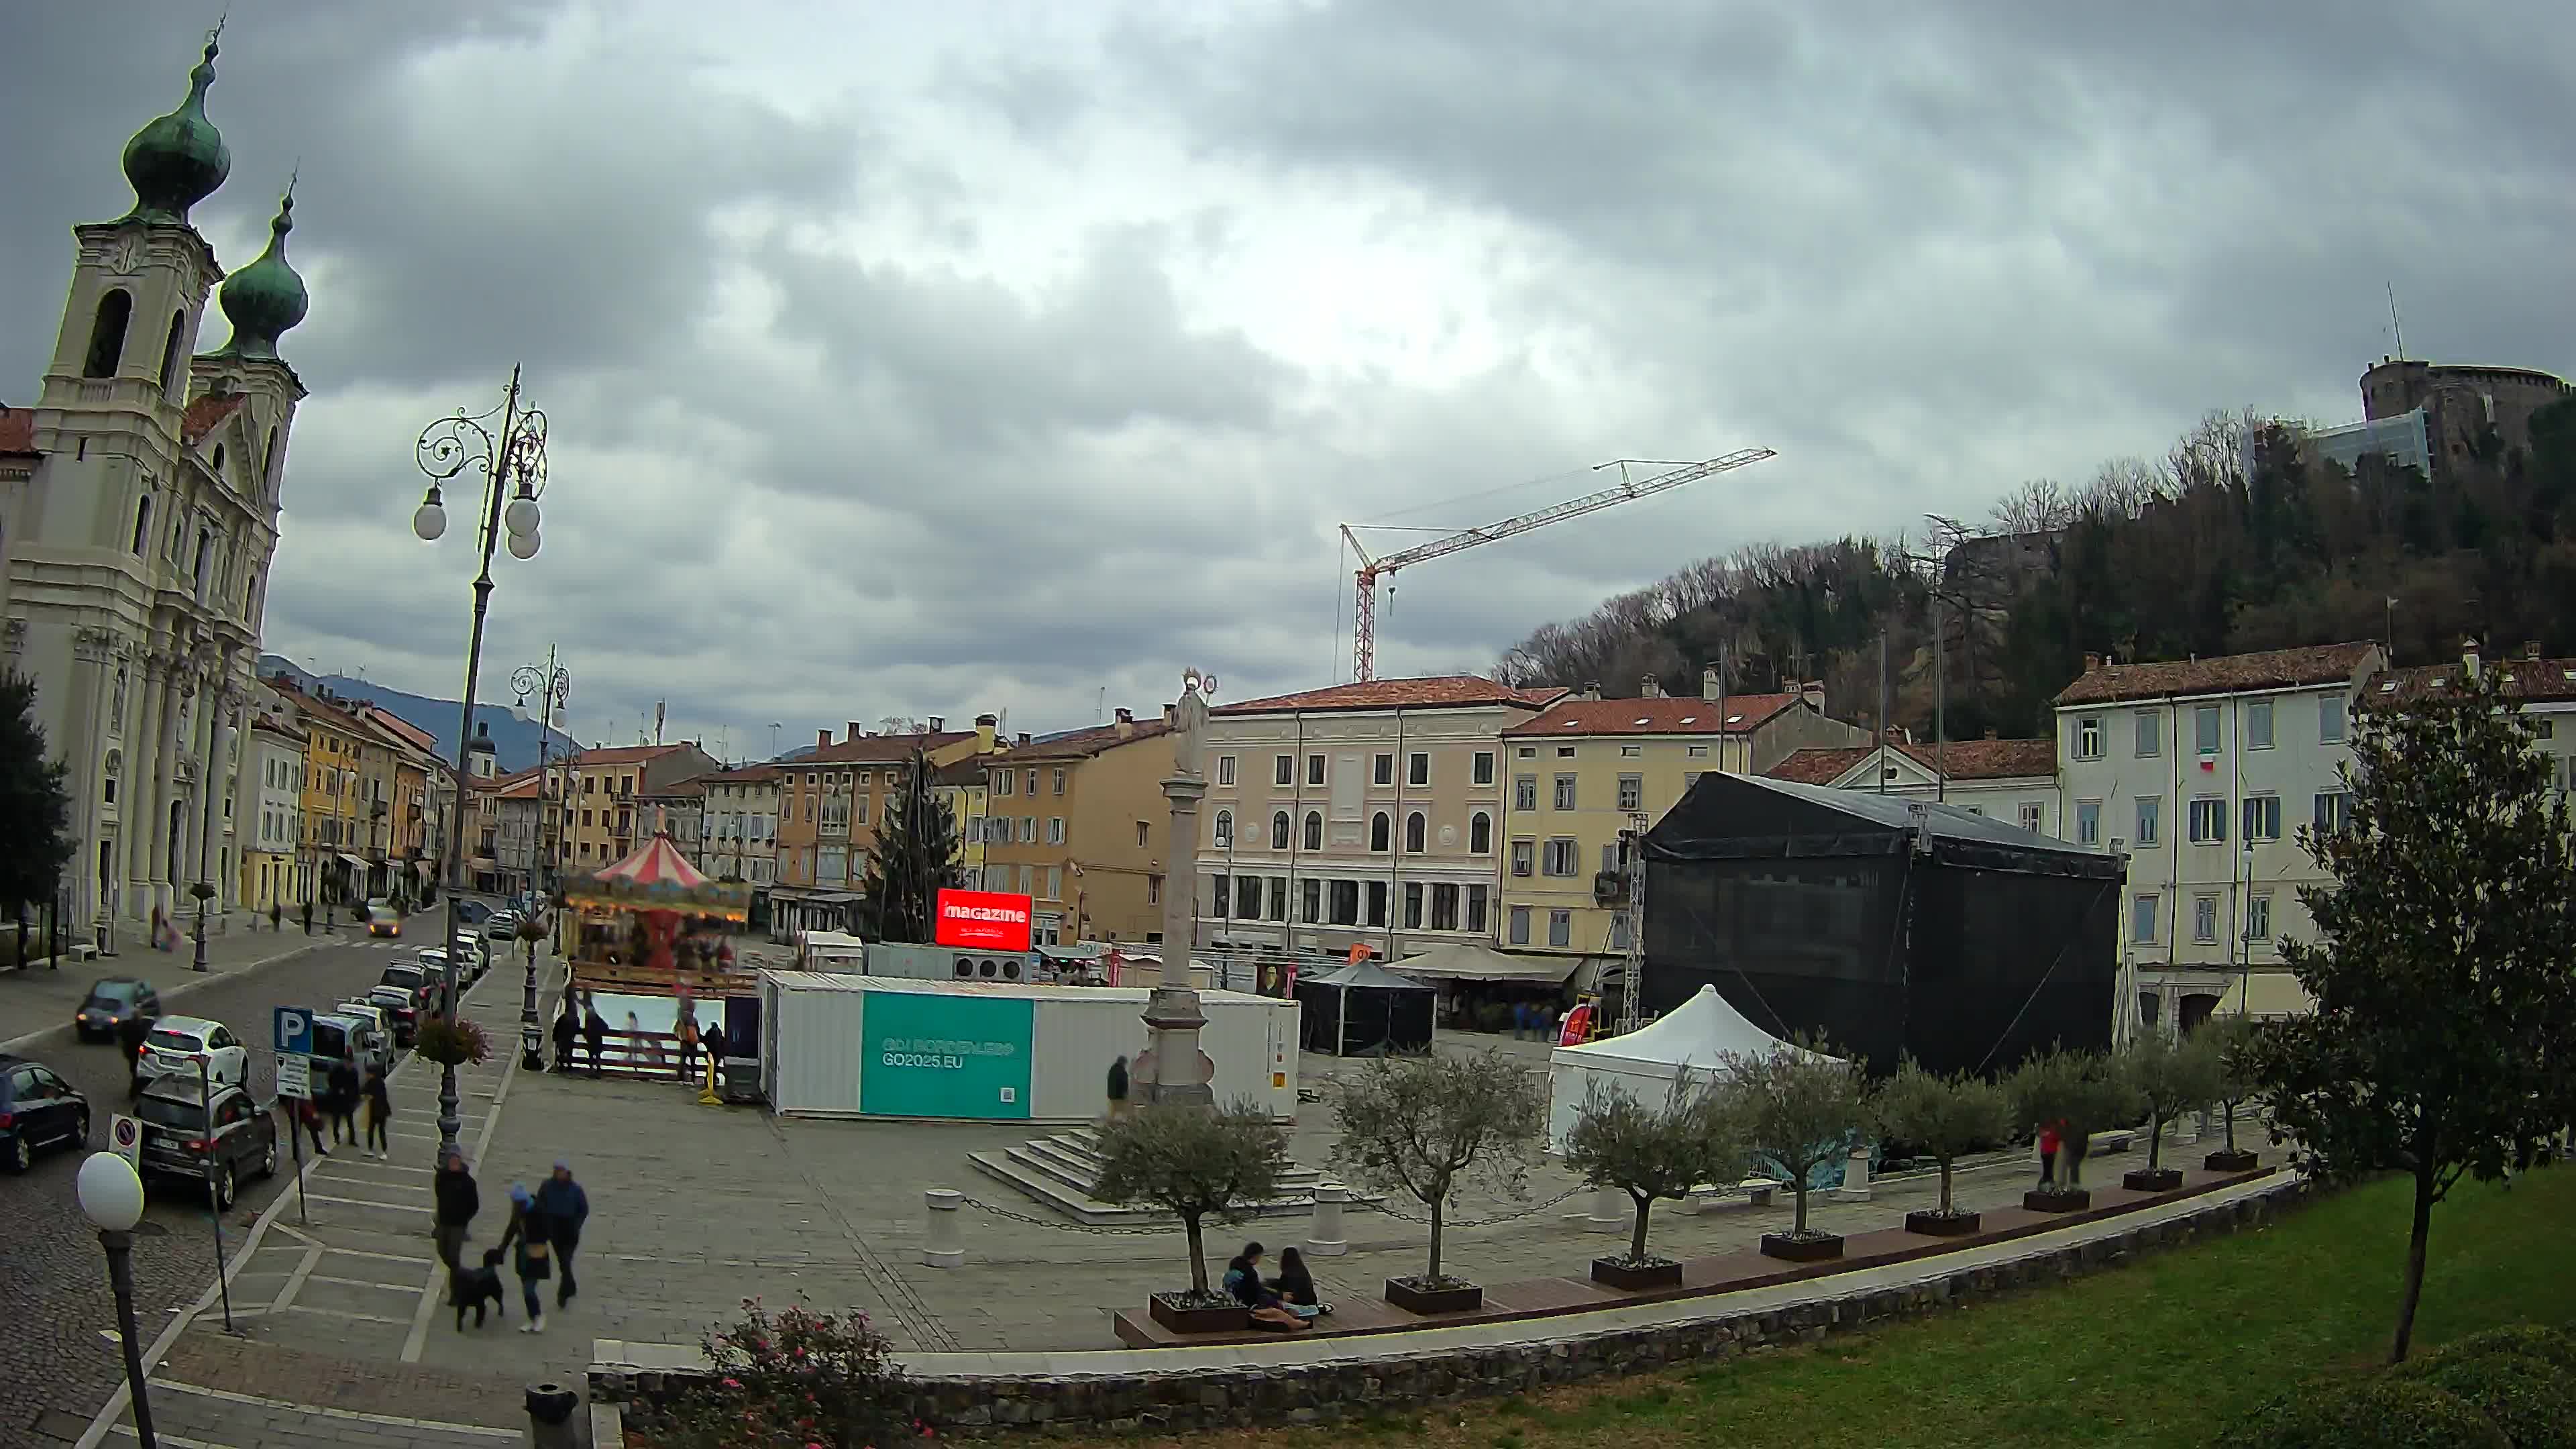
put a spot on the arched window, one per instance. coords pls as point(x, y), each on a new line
point(1314, 830)
point(107, 333)
point(1279, 830)
point(219, 460)
point(1413, 827)
point(1378, 831)
point(268, 461)
point(1225, 830)
point(1480, 834)
point(142, 522)
point(170, 353)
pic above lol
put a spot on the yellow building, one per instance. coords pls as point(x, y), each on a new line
point(602, 821)
point(964, 788)
point(1079, 823)
point(1582, 771)
point(334, 835)
point(271, 814)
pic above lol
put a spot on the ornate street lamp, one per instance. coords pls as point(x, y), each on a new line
point(552, 686)
point(513, 463)
point(111, 1197)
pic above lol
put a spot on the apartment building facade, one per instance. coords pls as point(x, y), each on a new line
point(2202, 771)
point(272, 835)
point(830, 804)
point(2008, 780)
point(602, 821)
point(742, 826)
point(1078, 822)
point(964, 788)
point(336, 805)
point(1367, 814)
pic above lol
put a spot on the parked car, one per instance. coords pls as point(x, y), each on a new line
point(401, 1007)
point(384, 921)
point(337, 1036)
point(37, 1109)
point(188, 1136)
point(503, 926)
point(471, 912)
point(370, 1013)
point(410, 975)
point(178, 1043)
point(111, 1000)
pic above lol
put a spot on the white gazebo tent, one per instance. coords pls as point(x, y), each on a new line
point(1697, 1035)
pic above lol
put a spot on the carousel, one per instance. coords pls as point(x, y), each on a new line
point(651, 949)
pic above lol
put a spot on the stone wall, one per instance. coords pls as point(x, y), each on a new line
point(1245, 1396)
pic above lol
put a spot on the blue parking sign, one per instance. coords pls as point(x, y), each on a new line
point(294, 1031)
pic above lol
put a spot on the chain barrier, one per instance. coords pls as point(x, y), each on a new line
point(1448, 1223)
point(1107, 1232)
point(1099, 1230)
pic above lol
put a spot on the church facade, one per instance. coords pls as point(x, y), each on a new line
point(141, 530)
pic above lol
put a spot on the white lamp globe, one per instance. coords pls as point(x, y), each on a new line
point(523, 545)
point(111, 1196)
point(429, 520)
point(521, 515)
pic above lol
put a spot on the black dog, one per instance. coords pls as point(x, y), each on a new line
point(470, 1286)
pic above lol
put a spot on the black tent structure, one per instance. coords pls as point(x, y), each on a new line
point(1364, 1010)
point(1893, 926)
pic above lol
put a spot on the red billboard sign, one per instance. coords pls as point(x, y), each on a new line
point(983, 920)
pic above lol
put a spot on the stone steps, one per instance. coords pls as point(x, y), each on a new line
point(1062, 1171)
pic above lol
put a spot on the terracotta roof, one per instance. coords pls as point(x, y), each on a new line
point(2539, 680)
point(748, 774)
point(17, 430)
point(694, 785)
point(1439, 691)
point(1663, 715)
point(1959, 759)
point(1083, 744)
point(2227, 674)
point(332, 713)
point(878, 749)
point(624, 754)
point(207, 412)
point(414, 735)
point(523, 788)
point(278, 727)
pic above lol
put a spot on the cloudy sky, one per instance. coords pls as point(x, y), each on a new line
point(924, 359)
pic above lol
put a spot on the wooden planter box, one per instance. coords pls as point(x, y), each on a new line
point(2224, 1161)
point(1406, 1294)
point(2056, 1200)
point(1181, 1318)
point(1939, 1225)
point(2152, 1179)
point(1801, 1250)
point(1630, 1277)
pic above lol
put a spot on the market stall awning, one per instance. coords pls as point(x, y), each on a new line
point(355, 863)
point(1468, 961)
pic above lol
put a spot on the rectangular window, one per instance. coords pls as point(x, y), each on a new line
point(2330, 720)
point(1006, 783)
point(1561, 859)
point(2151, 819)
point(1417, 769)
point(2334, 810)
point(1220, 896)
point(1144, 835)
point(2142, 921)
point(1413, 905)
point(2088, 737)
point(2258, 919)
point(1630, 752)
point(1525, 792)
point(1565, 792)
point(1523, 853)
point(1519, 925)
point(1314, 769)
point(1032, 783)
point(1055, 830)
point(1311, 904)
point(1055, 883)
point(2088, 822)
point(1225, 769)
point(1476, 908)
point(2031, 815)
point(1247, 897)
point(2204, 919)
point(1028, 830)
point(1059, 782)
point(1279, 898)
point(2258, 725)
point(1565, 752)
point(1619, 932)
point(1377, 903)
point(2262, 817)
point(1696, 752)
point(1484, 771)
point(2151, 734)
point(1444, 907)
point(2204, 729)
point(1346, 903)
point(1632, 792)
point(1284, 770)
point(1560, 928)
point(1382, 769)
point(2208, 821)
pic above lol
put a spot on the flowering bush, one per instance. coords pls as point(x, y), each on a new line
point(794, 1377)
point(452, 1043)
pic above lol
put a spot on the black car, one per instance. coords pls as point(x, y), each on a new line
point(110, 1001)
point(37, 1109)
point(471, 913)
point(187, 1137)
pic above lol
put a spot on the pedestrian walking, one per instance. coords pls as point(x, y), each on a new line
point(343, 1083)
point(130, 1033)
point(380, 1113)
point(528, 1232)
point(276, 918)
point(688, 1043)
point(308, 1119)
point(594, 1032)
point(457, 1200)
point(2070, 1156)
point(2048, 1144)
point(565, 1207)
point(567, 1034)
point(308, 917)
point(1117, 1088)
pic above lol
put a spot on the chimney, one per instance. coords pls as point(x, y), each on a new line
point(1649, 688)
point(985, 725)
point(855, 731)
point(2530, 648)
point(1024, 737)
point(939, 724)
point(1709, 688)
point(1126, 723)
point(1171, 714)
point(822, 739)
point(2092, 663)
point(1591, 690)
point(1813, 692)
point(2469, 657)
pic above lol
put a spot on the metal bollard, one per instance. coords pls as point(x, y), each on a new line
point(2186, 1129)
point(1855, 1186)
point(943, 1239)
point(1611, 1212)
point(550, 1409)
point(1325, 1237)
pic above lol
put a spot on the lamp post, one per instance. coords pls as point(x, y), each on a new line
point(513, 462)
point(552, 686)
point(111, 1197)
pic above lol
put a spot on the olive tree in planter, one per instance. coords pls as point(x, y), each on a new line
point(1425, 1126)
point(1194, 1164)
point(2167, 1078)
point(2228, 1040)
point(1653, 1153)
point(1799, 1106)
point(1945, 1118)
point(2078, 1093)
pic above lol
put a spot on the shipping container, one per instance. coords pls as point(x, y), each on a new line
point(995, 1051)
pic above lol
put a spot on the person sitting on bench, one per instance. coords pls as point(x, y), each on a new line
point(1243, 1279)
point(1296, 1287)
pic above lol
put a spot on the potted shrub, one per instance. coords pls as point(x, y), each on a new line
point(2226, 1040)
point(1944, 1118)
point(451, 1041)
point(1425, 1126)
point(2168, 1078)
point(1652, 1153)
point(1194, 1165)
point(2078, 1093)
point(1799, 1106)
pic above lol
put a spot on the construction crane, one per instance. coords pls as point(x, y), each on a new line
point(1364, 626)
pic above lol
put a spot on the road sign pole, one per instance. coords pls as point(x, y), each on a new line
point(214, 1208)
point(295, 1136)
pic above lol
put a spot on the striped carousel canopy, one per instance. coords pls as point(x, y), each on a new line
point(658, 878)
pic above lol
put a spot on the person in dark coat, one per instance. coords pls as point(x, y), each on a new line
point(567, 1034)
point(343, 1102)
point(380, 1114)
point(457, 1200)
point(130, 1033)
point(1296, 1286)
point(594, 1034)
point(565, 1208)
point(530, 1232)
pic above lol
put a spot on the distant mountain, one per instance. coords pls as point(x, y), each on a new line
point(514, 737)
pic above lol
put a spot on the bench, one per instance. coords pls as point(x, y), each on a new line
point(1757, 1192)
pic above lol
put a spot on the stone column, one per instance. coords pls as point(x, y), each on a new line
point(206, 865)
point(134, 792)
point(1180, 1073)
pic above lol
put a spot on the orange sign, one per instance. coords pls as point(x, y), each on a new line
point(1359, 953)
point(1578, 1027)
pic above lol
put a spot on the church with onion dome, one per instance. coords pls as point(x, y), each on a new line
point(142, 494)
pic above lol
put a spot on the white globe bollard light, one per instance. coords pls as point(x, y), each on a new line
point(1611, 1212)
point(111, 1197)
point(1325, 1237)
point(1855, 1186)
point(943, 1238)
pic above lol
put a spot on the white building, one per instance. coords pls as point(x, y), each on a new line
point(272, 817)
point(2009, 780)
point(138, 567)
point(742, 825)
point(2203, 770)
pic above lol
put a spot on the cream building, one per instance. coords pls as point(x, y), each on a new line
point(1367, 814)
point(2009, 780)
point(139, 562)
point(272, 816)
point(742, 826)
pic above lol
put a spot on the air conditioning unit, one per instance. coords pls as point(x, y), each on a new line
point(1609, 887)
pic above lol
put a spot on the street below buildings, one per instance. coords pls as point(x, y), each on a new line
point(58, 1359)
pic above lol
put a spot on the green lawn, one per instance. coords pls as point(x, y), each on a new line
point(2158, 1353)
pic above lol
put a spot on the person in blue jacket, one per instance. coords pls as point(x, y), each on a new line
point(566, 1207)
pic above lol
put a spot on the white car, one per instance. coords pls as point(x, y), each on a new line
point(178, 1043)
